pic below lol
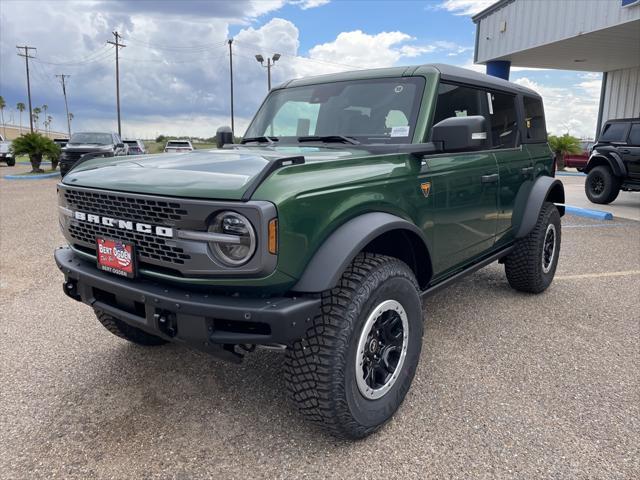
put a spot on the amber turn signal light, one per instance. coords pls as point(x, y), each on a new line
point(273, 236)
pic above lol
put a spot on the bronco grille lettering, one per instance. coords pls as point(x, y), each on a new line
point(124, 224)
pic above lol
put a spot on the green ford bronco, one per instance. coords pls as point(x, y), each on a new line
point(352, 198)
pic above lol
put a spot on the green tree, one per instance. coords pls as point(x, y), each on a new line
point(36, 146)
point(36, 116)
point(161, 139)
point(45, 107)
point(21, 108)
point(3, 104)
point(564, 145)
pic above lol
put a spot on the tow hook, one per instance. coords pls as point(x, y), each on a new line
point(166, 322)
point(71, 289)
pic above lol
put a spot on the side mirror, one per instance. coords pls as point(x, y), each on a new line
point(461, 133)
point(224, 136)
point(120, 145)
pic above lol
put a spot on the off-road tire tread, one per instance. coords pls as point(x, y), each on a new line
point(127, 332)
point(309, 362)
point(612, 182)
point(522, 265)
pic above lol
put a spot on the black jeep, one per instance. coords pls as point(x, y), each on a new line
point(614, 164)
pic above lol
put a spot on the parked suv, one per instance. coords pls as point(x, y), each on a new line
point(614, 164)
point(178, 146)
point(97, 144)
point(579, 160)
point(136, 147)
point(352, 197)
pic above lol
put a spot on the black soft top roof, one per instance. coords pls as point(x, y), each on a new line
point(447, 72)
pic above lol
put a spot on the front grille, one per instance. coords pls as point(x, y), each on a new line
point(72, 156)
point(145, 210)
point(147, 247)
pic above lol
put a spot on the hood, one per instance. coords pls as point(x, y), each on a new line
point(212, 174)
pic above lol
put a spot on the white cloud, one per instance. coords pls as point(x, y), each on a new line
point(572, 109)
point(465, 7)
point(307, 4)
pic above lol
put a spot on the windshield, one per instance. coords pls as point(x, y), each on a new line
point(178, 144)
point(369, 111)
point(133, 143)
point(95, 138)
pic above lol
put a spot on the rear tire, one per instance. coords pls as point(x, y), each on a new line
point(531, 265)
point(602, 186)
point(352, 370)
point(129, 333)
point(11, 162)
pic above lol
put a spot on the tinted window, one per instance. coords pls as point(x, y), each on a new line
point(504, 120)
point(456, 101)
point(614, 132)
point(634, 136)
point(534, 120)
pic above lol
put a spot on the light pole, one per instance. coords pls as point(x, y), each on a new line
point(270, 63)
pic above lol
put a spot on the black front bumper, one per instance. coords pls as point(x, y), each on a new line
point(200, 319)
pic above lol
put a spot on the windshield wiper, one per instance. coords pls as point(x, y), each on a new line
point(263, 139)
point(329, 139)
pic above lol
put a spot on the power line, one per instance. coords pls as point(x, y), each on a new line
point(92, 57)
point(231, 78)
point(26, 61)
point(118, 46)
point(178, 48)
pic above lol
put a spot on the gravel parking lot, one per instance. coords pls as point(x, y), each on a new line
point(509, 385)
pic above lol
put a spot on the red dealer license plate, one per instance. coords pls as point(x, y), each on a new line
point(116, 256)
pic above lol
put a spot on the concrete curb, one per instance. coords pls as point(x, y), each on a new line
point(32, 177)
point(571, 174)
point(588, 213)
point(27, 162)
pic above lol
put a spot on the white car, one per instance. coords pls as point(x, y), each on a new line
point(178, 146)
point(5, 152)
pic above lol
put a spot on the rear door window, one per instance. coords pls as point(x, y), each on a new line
point(614, 132)
point(504, 120)
point(535, 127)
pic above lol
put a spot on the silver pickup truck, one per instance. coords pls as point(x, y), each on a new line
point(5, 152)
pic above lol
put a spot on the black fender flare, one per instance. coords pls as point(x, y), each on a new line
point(610, 158)
point(543, 189)
point(332, 258)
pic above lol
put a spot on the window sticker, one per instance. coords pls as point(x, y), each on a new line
point(461, 113)
point(398, 89)
point(400, 131)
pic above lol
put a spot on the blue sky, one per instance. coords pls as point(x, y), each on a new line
point(174, 70)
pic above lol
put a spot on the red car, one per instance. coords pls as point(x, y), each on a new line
point(579, 160)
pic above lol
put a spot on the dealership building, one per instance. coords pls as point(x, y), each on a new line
point(586, 35)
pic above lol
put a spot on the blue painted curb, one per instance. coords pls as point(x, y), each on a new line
point(585, 212)
point(571, 174)
point(32, 177)
point(27, 162)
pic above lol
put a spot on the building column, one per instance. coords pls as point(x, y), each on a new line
point(499, 68)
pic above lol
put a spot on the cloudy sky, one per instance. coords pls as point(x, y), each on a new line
point(175, 66)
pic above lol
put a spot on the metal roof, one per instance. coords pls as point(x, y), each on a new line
point(490, 9)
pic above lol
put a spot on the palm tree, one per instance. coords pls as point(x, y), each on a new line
point(563, 145)
point(21, 108)
point(36, 146)
point(36, 113)
point(45, 107)
point(70, 118)
point(2, 105)
point(49, 120)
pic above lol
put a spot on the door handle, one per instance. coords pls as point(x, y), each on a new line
point(527, 170)
point(625, 150)
point(489, 178)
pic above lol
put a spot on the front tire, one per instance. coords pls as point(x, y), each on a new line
point(11, 162)
point(531, 265)
point(602, 186)
point(127, 332)
point(352, 370)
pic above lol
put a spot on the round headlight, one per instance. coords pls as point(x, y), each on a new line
point(242, 238)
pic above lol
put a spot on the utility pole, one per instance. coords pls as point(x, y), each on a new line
point(270, 63)
point(62, 76)
point(118, 45)
point(231, 77)
point(26, 60)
